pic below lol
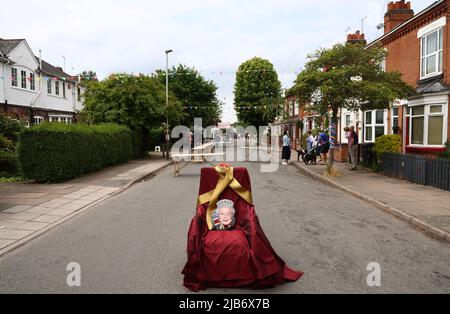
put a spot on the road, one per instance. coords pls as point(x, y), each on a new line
point(135, 242)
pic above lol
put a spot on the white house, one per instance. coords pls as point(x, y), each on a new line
point(34, 90)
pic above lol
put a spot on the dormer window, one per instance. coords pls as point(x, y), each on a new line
point(431, 54)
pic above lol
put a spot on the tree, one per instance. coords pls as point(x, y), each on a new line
point(196, 94)
point(257, 92)
point(138, 102)
point(348, 76)
point(88, 76)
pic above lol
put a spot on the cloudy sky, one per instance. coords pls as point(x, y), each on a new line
point(214, 36)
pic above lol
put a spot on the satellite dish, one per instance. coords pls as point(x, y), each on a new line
point(380, 26)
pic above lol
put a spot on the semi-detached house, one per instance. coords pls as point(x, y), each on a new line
point(32, 89)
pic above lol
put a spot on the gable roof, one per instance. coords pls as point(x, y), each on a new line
point(51, 70)
point(8, 45)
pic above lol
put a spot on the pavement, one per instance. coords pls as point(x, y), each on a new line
point(28, 210)
point(135, 242)
point(424, 207)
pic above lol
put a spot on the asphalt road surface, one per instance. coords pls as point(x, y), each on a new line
point(136, 242)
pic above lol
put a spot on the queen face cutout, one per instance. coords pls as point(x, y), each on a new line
point(224, 216)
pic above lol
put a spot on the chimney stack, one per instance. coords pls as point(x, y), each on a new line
point(397, 13)
point(356, 38)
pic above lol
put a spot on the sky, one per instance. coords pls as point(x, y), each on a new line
point(213, 36)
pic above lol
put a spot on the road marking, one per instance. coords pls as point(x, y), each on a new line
point(1, 227)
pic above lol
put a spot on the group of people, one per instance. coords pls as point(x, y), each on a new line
point(320, 146)
point(320, 143)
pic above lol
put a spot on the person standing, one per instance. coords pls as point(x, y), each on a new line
point(286, 153)
point(324, 142)
point(353, 141)
point(309, 142)
point(162, 142)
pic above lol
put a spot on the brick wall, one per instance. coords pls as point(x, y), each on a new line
point(404, 47)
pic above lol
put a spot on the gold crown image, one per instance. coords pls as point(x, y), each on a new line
point(225, 204)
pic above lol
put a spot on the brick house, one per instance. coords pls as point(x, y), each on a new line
point(33, 90)
point(418, 47)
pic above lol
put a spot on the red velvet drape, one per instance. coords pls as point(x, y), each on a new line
point(237, 258)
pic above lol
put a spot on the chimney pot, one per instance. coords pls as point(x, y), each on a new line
point(397, 13)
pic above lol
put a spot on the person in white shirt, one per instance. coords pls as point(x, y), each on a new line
point(286, 154)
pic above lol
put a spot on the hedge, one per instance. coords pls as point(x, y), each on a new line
point(387, 143)
point(56, 152)
point(9, 165)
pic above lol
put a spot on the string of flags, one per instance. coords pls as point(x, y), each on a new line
point(38, 78)
point(239, 108)
point(221, 73)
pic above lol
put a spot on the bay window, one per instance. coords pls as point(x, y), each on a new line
point(428, 125)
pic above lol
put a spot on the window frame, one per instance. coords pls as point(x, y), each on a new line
point(57, 88)
point(438, 53)
point(49, 86)
point(14, 77)
point(38, 120)
point(23, 79)
point(61, 119)
point(426, 115)
point(374, 125)
point(395, 116)
point(32, 81)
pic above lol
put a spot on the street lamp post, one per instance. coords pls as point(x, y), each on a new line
point(167, 102)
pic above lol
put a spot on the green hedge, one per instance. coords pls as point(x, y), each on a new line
point(9, 164)
point(56, 152)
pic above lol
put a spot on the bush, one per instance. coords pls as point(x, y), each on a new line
point(56, 152)
point(387, 143)
point(9, 164)
point(5, 143)
point(10, 128)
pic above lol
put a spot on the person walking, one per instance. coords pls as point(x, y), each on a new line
point(353, 141)
point(286, 153)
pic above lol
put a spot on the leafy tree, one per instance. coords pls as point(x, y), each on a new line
point(196, 94)
point(348, 76)
point(257, 92)
point(88, 76)
point(138, 102)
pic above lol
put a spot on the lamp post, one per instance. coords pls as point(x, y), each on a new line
point(167, 102)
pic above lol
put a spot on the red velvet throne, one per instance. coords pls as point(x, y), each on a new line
point(241, 257)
